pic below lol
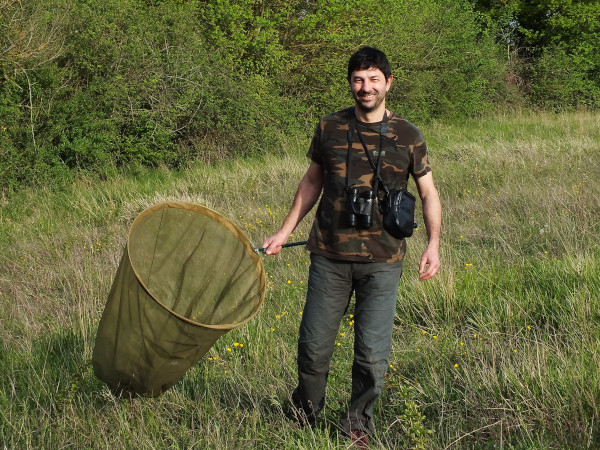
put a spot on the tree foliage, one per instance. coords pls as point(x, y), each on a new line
point(90, 85)
point(557, 44)
point(121, 83)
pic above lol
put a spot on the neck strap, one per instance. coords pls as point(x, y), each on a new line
point(376, 167)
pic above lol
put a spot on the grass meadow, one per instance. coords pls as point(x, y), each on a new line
point(500, 350)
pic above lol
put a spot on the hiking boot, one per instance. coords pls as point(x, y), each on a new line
point(301, 418)
point(303, 415)
point(358, 439)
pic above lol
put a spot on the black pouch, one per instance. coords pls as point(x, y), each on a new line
point(398, 209)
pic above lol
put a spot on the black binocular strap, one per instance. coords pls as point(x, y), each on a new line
point(376, 168)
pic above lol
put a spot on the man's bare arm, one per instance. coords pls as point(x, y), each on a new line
point(432, 216)
point(307, 194)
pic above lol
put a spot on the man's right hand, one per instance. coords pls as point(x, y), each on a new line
point(272, 245)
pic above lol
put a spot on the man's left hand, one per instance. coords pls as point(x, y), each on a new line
point(430, 264)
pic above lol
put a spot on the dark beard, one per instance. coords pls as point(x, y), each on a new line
point(366, 109)
point(359, 103)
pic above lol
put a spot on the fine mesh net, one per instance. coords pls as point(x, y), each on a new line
point(187, 276)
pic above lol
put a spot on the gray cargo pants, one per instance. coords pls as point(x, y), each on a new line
point(330, 287)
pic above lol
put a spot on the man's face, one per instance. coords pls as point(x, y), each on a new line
point(369, 88)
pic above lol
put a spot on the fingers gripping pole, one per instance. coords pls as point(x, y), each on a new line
point(291, 244)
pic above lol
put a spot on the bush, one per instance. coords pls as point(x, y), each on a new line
point(126, 83)
point(445, 64)
point(90, 86)
point(558, 82)
point(557, 44)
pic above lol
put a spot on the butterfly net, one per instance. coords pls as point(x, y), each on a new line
point(187, 276)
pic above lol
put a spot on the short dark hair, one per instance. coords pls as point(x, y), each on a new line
point(367, 57)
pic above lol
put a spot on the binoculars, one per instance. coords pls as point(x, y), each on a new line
point(360, 207)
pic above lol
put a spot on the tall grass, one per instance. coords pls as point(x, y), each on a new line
point(501, 350)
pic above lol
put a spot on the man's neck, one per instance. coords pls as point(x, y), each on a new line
point(372, 116)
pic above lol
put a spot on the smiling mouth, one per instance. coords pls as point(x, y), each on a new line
point(366, 96)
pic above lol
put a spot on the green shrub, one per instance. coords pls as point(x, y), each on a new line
point(556, 42)
point(445, 64)
point(559, 82)
point(129, 82)
point(87, 86)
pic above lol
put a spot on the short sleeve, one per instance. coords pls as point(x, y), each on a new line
point(419, 158)
point(314, 151)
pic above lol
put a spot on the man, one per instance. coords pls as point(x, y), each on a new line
point(348, 253)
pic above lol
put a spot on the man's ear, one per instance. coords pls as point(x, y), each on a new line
point(389, 82)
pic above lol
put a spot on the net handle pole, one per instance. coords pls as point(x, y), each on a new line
point(291, 244)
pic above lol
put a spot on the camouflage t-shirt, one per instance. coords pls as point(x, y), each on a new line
point(404, 152)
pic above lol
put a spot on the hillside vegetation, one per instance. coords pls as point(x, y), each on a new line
point(97, 87)
point(500, 350)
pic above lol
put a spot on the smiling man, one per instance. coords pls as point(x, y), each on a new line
point(351, 253)
point(369, 87)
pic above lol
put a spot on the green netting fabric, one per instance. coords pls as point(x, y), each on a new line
point(187, 276)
